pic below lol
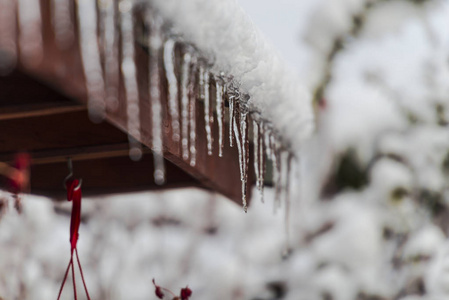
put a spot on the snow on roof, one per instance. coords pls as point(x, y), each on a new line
point(225, 34)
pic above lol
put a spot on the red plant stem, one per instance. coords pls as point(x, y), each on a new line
point(167, 290)
point(73, 278)
point(82, 275)
point(65, 277)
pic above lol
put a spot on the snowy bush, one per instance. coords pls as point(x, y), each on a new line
point(370, 197)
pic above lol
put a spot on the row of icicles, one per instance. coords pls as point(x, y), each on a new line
point(106, 29)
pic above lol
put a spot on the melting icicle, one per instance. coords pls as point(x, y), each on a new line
point(201, 73)
point(225, 93)
point(207, 114)
point(240, 135)
point(236, 133)
point(244, 109)
point(155, 44)
point(63, 22)
point(284, 173)
point(192, 115)
point(267, 141)
point(275, 157)
point(239, 148)
point(87, 20)
point(256, 151)
point(231, 120)
point(186, 59)
point(30, 38)
point(233, 94)
point(8, 46)
point(256, 141)
point(128, 68)
point(169, 66)
point(219, 108)
point(286, 159)
point(109, 43)
point(261, 178)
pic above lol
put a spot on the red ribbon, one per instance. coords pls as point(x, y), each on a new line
point(74, 194)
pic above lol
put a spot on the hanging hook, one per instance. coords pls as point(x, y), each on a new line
point(70, 166)
point(79, 185)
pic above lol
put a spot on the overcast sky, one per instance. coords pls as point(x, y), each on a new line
point(282, 22)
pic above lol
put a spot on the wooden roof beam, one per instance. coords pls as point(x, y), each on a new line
point(62, 70)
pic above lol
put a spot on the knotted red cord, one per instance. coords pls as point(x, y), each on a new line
point(74, 194)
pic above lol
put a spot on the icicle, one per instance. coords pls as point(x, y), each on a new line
point(87, 20)
point(284, 170)
point(231, 120)
point(155, 44)
point(225, 92)
point(192, 141)
point(256, 140)
point(128, 68)
point(63, 23)
point(169, 65)
point(275, 157)
point(286, 158)
point(201, 73)
point(8, 31)
point(109, 49)
point(233, 94)
point(256, 151)
point(186, 60)
point(236, 134)
point(239, 148)
point(240, 135)
point(192, 115)
point(262, 167)
point(30, 38)
point(207, 116)
point(267, 141)
point(219, 109)
point(244, 109)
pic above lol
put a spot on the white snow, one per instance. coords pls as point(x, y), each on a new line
point(425, 242)
point(127, 240)
point(235, 46)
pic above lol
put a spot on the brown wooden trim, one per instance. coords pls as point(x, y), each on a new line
point(76, 154)
point(38, 110)
point(57, 129)
point(106, 175)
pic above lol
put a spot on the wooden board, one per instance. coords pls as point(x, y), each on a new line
point(43, 111)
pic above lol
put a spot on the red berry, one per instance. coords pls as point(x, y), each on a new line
point(186, 293)
point(158, 291)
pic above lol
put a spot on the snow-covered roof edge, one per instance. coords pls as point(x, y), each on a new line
point(224, 33)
